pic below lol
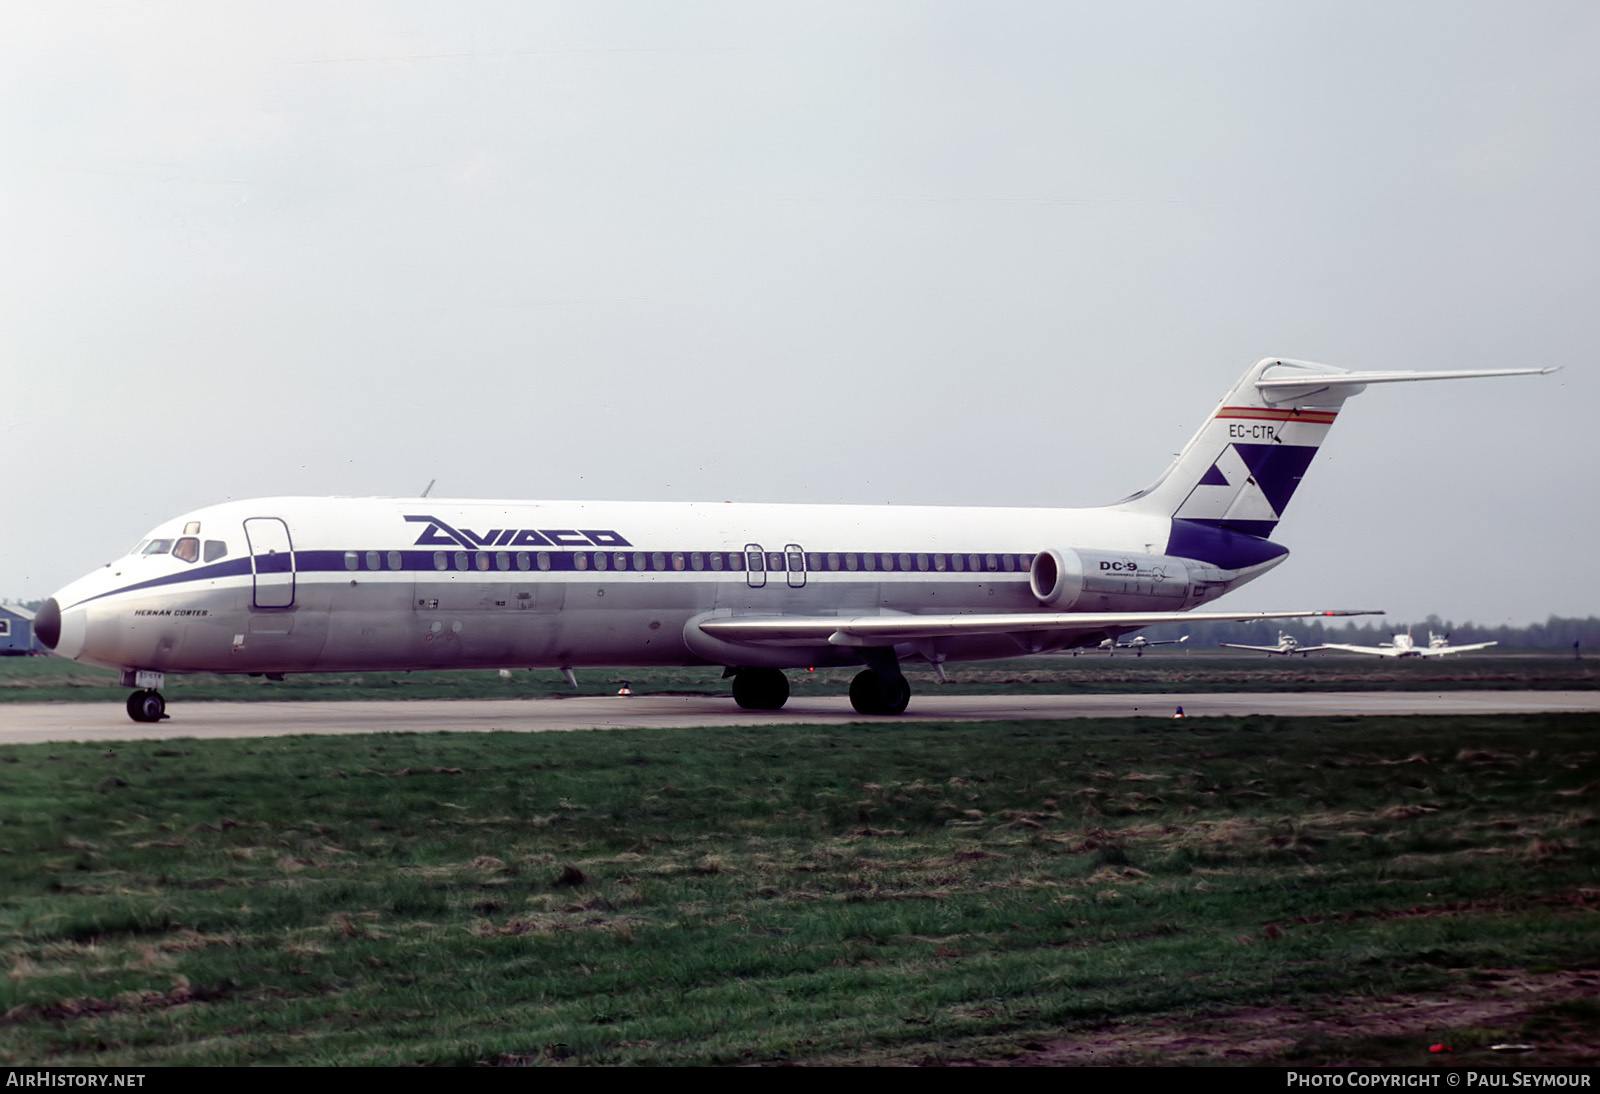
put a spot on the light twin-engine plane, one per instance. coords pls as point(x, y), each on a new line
point(1288, 645)
point(1138, 644)
point(284, 585)
point(1404, 645)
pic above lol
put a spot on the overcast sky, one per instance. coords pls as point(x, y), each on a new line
point(918, 252)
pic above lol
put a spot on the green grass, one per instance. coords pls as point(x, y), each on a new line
point(863, 893)
point(45, 679)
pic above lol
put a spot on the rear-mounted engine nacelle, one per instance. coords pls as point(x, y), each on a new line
point(1102, 581)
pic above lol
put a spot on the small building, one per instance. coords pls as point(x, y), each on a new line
point(16, 631)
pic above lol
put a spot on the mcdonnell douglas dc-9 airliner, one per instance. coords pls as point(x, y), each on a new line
point(288, 585)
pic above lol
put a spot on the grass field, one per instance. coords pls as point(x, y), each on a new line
point(45, 679)
point(1315, 891)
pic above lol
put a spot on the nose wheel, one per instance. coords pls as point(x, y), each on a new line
point(147, 706)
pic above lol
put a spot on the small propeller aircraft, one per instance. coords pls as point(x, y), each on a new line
point(1287, 645)
point(1404, 646)
point(1138, 644)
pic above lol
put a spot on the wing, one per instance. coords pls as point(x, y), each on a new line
point(1377, 651)
point(1440, 651)
point(888, 629)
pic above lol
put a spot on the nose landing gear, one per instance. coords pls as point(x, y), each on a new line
point(147, 706)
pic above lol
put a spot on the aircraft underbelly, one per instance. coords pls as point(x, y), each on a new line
point(460, 621)
point(489, 624)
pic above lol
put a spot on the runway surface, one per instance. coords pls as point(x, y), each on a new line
point(22, 723)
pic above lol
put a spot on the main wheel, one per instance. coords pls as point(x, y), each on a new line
point(147, 706)
point(760, 689)
point(872, 694)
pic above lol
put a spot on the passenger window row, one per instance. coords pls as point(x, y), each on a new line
point(714, 561)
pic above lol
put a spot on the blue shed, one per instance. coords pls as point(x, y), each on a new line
point(16, 631)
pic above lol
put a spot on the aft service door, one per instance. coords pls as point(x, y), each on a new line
point(271, 562)
point(755, 565)
point(796, 560)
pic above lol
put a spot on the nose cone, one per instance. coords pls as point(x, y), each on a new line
point(47, 623)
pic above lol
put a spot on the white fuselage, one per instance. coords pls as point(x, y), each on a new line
point(335, 584)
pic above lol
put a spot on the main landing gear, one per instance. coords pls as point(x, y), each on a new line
point(147, 706)
point(760, 689)
point(878, 689)
point(872, 694)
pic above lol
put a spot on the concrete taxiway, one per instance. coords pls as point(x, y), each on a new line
point(22, 723)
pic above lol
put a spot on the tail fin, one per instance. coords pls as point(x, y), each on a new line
point(1240, 470)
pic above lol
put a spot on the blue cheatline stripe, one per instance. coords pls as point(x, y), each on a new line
point(990, 564)
point(233, 567)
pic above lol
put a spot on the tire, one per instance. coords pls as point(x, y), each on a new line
point(147, 706)
point(760, 689)
point(871, 694)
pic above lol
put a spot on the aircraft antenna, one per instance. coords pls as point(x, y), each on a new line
point(425, 489)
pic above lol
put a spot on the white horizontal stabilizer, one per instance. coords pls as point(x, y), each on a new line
point(1294, 388)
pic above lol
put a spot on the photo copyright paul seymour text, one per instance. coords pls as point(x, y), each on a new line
point(1437, 1079)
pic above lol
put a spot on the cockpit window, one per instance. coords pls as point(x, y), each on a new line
point(187, 549)
point(215, 549)
point(157, 547)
